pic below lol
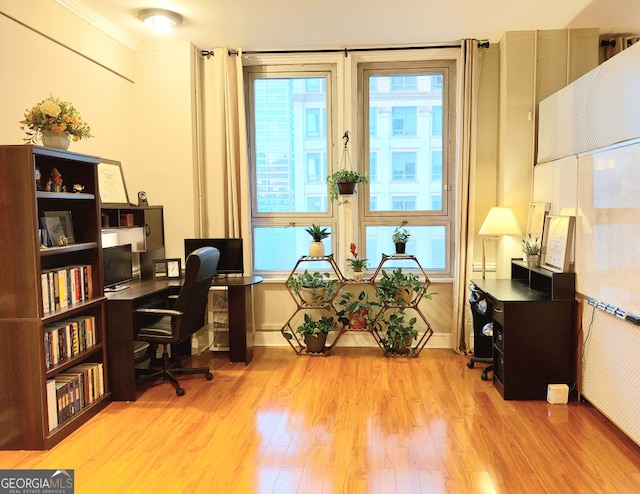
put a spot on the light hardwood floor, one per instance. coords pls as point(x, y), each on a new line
point(352, 422)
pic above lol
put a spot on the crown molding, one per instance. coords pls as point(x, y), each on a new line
point(102, 23)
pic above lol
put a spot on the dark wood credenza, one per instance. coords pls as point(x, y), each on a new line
point(533, 329)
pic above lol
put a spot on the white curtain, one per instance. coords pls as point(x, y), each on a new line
point(462, 323)
point(224, 172)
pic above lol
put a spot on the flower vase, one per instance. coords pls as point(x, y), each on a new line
point(57, 140)
point(357, 275)
point(533, 261)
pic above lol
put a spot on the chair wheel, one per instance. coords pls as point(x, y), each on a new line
point(208, 376)
point(470, 364)
point(180, 391)
point(484, 376)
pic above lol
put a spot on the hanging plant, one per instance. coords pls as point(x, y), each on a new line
point(343, 182)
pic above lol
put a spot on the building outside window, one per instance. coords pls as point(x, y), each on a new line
point(403, 117)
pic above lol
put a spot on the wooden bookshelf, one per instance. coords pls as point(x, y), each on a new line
point(24, 413)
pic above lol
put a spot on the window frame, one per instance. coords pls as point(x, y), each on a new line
point(444, 217)
point(329, 134)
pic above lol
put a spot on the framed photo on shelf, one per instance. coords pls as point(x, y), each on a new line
point(160, 269)
point(557, 244)
point(535, 223)
point(111, 184)
point(65, 222)
point(174, 269)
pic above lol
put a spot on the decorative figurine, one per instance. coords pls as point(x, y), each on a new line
point(56, 180)
point(38, 179)
point(77, 188)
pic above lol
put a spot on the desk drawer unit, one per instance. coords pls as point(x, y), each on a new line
point(532, 347)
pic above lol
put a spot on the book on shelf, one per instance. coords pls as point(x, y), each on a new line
point(72, 390)
point(52, 404)
point(66, 339)
point(65, 286)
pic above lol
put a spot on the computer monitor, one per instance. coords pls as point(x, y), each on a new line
point(231, 253)
point(117, 263)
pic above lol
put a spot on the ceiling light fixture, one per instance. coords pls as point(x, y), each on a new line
point(160, 20)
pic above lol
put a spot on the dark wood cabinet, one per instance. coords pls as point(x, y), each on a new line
point(25, 358)
point(533, 323)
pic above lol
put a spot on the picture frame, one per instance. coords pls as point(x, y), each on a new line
point(160, 269)
point(538, 212)
point(558, 241)
point(55, 232)
point(174, 269)
point(65, 221)
point(113, 189)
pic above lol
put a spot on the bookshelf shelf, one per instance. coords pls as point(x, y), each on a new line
point(52, 316)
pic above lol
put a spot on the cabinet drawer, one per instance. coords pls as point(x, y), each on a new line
point(498, 364)
point(498, 336)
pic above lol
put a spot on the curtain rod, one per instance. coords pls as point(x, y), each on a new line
point(209, 53)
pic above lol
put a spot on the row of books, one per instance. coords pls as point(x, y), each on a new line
point(66, 339)
point(70, 391)
point(65, 286)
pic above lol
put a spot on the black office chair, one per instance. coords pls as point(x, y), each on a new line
point(166, 326)
point(481, 310)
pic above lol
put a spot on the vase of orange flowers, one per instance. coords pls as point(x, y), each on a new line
point(55, 123)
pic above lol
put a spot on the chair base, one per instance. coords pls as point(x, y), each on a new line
point(480, 360)
point(167, 373)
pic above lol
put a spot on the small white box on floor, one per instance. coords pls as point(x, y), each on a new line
point(558, 394)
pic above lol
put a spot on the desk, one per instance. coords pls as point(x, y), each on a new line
point(241, 328)
point(532, 338)
point(122, 305)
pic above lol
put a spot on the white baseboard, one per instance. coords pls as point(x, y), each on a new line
point(349, 339)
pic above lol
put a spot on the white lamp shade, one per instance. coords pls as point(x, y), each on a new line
point(500, 221)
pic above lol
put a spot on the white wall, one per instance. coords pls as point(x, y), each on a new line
point(35, 67)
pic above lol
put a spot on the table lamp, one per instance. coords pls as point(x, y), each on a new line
point(499, 221)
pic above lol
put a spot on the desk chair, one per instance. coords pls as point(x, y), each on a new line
point(165, 326)
point(481, 310)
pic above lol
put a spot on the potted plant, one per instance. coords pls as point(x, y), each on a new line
point(313, 288)
point(356, 264)
point(315, 332)
point(54, 122)
point(399, 334)
point(357, 311)
point(532, 251)
point(318, 234)
point(400, 238)
point(343, 182)
point(398, 288)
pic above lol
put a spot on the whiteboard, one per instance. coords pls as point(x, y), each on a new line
point(607, 251)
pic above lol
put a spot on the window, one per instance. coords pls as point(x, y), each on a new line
point(436, 121)
point(412, 101)
point(403, 203)
point(400, 113)
point(403, 165)
point(316, 167)
point(315, 122)
point(289, 153)
point(436, 165)
point(404, 120)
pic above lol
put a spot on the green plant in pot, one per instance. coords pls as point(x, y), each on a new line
point(399, 333)
point(315, 331)
point(318, 234)
point(357, 311)
point(343, 182)
point(400, 238)
point(313, 289)
point(399, 288)
point(532, 251)
point(356, 264)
